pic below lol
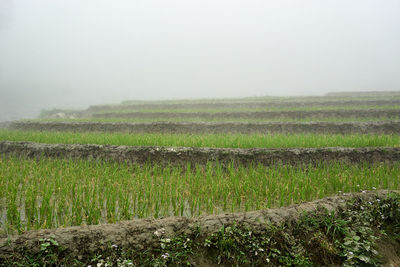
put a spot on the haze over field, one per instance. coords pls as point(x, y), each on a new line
point(71, 54)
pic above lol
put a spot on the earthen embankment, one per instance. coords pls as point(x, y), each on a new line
point(200, 156)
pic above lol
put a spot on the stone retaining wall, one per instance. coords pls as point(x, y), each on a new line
point(184, 155)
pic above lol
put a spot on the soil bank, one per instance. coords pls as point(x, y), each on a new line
point(200, 156)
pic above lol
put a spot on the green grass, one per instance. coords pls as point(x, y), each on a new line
point(268, 99)
point(205, 140)
point(247, 109)
point(220, 120)
point(49, 193)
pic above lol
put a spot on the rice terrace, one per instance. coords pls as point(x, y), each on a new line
point(258, 181)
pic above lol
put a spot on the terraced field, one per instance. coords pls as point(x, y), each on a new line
point(205, 182)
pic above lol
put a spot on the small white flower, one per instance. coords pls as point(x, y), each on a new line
point(378, 200)
point(363, 191)
point(373, 188)
point(350, 254)
point(358, 185)
point(159, 232)
point(127, 263)
point(164, 256)
point(114, 246)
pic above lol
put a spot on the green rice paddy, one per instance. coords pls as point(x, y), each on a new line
point(276, 99)
point(217, 119)
point(50, 193)
point(246, 109)
point(205, 140)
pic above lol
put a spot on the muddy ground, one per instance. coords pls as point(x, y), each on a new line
point(314, 114)
point(183, 155)
point(389, 127)
point(245, 104)
point(141, 234)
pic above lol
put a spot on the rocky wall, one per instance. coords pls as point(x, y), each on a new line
point(183, 155)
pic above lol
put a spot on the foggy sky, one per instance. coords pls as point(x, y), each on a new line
point(74, 53)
